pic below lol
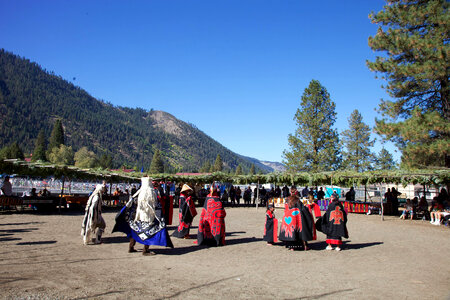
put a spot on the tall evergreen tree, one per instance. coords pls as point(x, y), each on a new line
point(414, 38)
point(206, 167)
point(356, 139)
point(315, 144)
point(157, 165)
point(218, 164)
point(105, 161)
point(57, 136)
point(384, 160)
point(40, 147)
point(252, 170)
point(238, 170)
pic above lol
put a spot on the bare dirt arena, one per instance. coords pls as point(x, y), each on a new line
point(42, 257)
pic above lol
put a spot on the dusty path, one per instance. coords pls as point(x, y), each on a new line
point(42, 256)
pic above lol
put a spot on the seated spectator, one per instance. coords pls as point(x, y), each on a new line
point(437, 206)
point(7, 187)
point(422, 208)
point(409, 210)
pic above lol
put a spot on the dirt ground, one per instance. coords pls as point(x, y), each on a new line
point(42, 257)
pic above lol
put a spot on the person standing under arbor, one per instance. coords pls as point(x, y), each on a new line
point(187, 212)
point(238, 195)
point(395, 195)
point(320, 194)
point(255, 194)
point(285, 191)
point(232, 196)
point(93, 219)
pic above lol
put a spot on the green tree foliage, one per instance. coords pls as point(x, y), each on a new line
point(40, 147)
point(238, 170)
point(356, 139)
point(105, 161)
point(157, 165)
point(62, 155)
point(36, 98)
point(12, 151)
point(384, 160)
point(206, 167)
point(414, 38)
point(57, 136)
point(423, 138)
point(218, 164)
point(252, 170)
point(85, 158)
point(315, 144)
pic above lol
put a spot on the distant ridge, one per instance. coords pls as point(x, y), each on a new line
point(32, 99)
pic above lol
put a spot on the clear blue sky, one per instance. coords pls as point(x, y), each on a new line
point(235, 69)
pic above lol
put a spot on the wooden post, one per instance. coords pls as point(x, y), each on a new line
point(257, 195)
point(62, 194)
point(365, 192)
point(382, 209)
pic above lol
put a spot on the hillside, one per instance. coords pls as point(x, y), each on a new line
point(32, 99)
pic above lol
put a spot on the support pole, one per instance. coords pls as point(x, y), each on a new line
point(382, 209)
point(62, 194)
point(257, 196)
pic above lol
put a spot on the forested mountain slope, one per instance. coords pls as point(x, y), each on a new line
point(32, 99)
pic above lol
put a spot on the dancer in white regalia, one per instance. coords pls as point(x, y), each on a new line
point(93, 223)
point(141, 219)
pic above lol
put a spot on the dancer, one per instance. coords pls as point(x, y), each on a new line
point(271, 226)
point(334, 224)
point(211, 228)
point(297, 226)
point(187, 212)
point(141, 219)
point(93, 219)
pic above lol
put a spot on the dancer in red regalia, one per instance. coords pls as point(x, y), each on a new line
point(271, 226)
point(297, 226)
point(334, 224)
point(211, 228)
point(187, 212)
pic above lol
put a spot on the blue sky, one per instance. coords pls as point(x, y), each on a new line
point(235, 69)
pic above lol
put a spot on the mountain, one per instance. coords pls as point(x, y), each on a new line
point(274, 166)
point(32, 99)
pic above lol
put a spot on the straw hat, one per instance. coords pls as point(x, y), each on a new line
point(185, 188)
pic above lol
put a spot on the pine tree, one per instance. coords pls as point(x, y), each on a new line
point(40, 147)
point(206, 167)
point(357, 142)
point(238, 170)
point(315, 144)
point(414, 36)
point(423, 138)
point(384, 160)
point(57, 136)
point(252, 170)
point(157, 165)
point(105, 161)
point(218, 164)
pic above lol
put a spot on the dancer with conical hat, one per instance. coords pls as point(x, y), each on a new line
point(141, 219)
point(93, 223)
point(187, 212)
